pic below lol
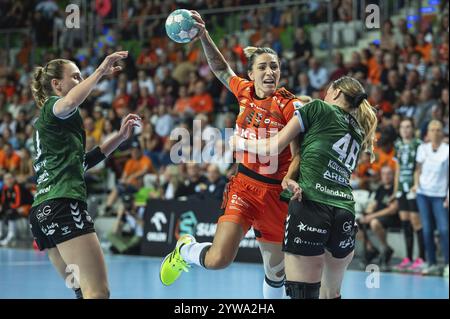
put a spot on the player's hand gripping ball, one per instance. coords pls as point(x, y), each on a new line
point(180, 26)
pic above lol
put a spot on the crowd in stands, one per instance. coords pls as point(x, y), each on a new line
point(405, 73)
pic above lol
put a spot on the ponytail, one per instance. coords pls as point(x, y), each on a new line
point(360, 107)
point(36, 87)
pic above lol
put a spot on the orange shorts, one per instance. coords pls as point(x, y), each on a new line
point(249, 202)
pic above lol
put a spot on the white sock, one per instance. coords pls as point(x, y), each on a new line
point(11, 229)
point(1, 228)
point(270, 292)
point(191, 252)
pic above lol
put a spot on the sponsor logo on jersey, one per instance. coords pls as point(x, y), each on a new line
point(43, 191)
point(347, 227)
point(298, 241)
point(237, 202)
point(333, 192)
point(348, 243)
point(65, 230)
point(49, 229)
point(43, 213)
point(305, 227)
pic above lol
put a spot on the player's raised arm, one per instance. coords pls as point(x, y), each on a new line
point(79, 93)
point(216, 61)
point(268, 146)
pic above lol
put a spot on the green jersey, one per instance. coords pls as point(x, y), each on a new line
point(405, 154)
point(59, 160)
point(329, 152)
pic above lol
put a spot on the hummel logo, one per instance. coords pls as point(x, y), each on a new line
point(79, 226)
point(75, 213)
point(74, 206)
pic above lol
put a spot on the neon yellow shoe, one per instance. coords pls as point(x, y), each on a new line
point(173, 264)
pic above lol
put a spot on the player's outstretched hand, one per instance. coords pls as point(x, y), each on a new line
point(107, 67)
point(126, 129)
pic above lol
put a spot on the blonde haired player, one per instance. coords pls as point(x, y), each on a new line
point(320, 228)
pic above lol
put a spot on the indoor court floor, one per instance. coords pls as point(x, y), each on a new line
point(29, 274)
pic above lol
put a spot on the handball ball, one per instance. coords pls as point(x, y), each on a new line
point(180, 26)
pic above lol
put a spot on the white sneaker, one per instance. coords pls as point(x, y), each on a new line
point(9, 237)
point(5, 241)
point(432, 270)
point(445, 273)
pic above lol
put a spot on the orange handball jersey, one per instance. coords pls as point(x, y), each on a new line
point(271, 114)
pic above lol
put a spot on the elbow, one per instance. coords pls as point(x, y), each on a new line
point(273, 149)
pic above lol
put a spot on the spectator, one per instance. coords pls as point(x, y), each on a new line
point(9, 160)
point(25, 173)
point(201, 101)
point(184, 102)
point(216, 183)
point(171, 182)
point(15, 203)
point(8, 122)
point(127, 232)
point(381, 214)
point(164, 121)
point(405, 152)
point(415, 63)
point(388, 42)
point(426, 102)
point(356, 65)
point(377, 98)
point(317, 74)
point(407, 107)
point(146, 82)
point(339, 69)
point(389, 63)
point(394, 87)
point(431, 186)
point(132, 178)
point(92, 130)
point(195, 182)
point(149, 140)
point(385, 151)
point(303, 87)
point(303, 49)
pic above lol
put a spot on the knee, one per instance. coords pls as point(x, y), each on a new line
point(443, 230)
point(217, 260)
point(274, 273)
point(97, 293)
point(329, 292)
point(375, 224)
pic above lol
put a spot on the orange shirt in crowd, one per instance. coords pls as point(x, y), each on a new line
point(202, 103)
point(374, 71)
point(182, 104)
point(120, 101)
point(383, 158)
point(425, 50)
point(133, 166)
point(10, 163)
